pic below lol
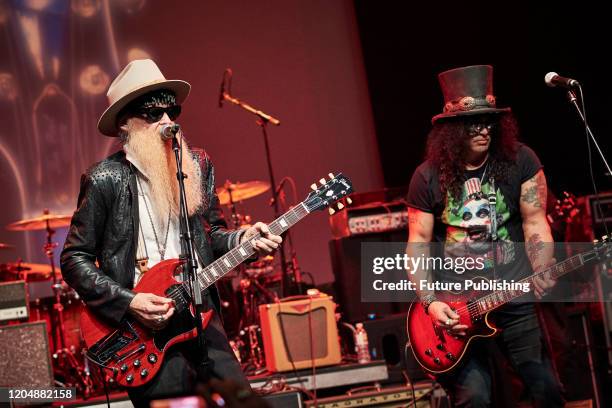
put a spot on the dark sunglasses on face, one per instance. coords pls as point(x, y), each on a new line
point(156, 113)
point(476, 128)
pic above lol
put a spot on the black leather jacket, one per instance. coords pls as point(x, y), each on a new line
point(104, 228)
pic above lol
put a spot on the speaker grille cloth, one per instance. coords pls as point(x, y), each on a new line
point(297, 334)
point(24, 356)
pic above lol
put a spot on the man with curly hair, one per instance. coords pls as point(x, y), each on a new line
point(479, 185)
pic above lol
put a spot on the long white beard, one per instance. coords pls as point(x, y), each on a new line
point(156, 159)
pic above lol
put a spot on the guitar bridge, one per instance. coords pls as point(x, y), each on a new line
point(107, 348)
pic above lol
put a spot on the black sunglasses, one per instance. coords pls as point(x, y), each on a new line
point(475, 128)
point(156, 113)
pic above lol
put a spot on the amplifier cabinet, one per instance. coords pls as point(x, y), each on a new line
point(288, 328)
point(13, 301)
point(25, 360)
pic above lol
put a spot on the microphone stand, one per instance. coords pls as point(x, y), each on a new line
point(191, 264)
point(572, 98)
point(262, 122)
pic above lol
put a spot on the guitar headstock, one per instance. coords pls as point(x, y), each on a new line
point(328, 192)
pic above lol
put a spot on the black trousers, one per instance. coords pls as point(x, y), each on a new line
point(178, 377)
point(520, 340)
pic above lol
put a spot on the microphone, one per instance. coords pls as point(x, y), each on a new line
point(222, 90)
point(553, 79)
point(167, 131)
point(227, 73)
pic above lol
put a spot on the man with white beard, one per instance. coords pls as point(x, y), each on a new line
point(127, 220)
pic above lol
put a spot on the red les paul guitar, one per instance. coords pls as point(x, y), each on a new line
point(438, 352)
point(133, 353)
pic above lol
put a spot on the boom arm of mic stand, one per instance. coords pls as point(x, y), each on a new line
point(264, 116)
point(572, 98)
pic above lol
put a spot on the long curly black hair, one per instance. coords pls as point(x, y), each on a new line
point(447, 145)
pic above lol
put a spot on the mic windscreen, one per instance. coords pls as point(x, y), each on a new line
point(549, 77)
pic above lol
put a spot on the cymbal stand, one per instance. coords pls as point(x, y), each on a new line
point(67, 364)
point(238, 220)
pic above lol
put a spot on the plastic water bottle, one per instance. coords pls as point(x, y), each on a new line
point(361, 344)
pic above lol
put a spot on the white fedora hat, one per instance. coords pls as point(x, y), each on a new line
point(137, 78)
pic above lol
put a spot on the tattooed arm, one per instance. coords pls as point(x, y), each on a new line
point(538, 239)
point(420, 230)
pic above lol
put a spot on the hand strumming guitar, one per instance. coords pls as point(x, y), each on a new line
point(442, 315)
point(151, 310)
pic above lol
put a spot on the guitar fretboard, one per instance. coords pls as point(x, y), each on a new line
point(219, 268)
point(496, 299)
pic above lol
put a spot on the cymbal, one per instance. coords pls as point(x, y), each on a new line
point(31, 269)
point(40, 223)
point(6, 246)
point(241, 191)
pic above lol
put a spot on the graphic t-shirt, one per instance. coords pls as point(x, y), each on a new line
point(466, 223)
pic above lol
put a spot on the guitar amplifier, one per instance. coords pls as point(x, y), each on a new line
point(289, 327)
point(13, 301)
point(25, 360)
point(375, 396)
point(370, 218)
point(372, 212)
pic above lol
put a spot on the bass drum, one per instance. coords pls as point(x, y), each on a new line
point(71, 304)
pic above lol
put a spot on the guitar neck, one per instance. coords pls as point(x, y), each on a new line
point(219, 268)
point(496, 299)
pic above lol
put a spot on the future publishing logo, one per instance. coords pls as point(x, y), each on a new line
point(467, 285)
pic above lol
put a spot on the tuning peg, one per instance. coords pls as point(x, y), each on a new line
point(340, 206)
point(313, 186)
point(331, 211)
point(322, 181)
point(331, 176)
point(349, 201)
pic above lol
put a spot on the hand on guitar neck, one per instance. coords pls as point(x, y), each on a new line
point(545, 282)
point(151, 310)
point(442, 315)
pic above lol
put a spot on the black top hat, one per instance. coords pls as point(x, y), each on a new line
point(467, 91)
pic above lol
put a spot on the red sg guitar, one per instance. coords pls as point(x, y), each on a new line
point(133, 353)
point(438, 352)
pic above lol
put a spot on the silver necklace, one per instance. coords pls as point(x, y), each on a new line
point(483, 173)
point(160, 248)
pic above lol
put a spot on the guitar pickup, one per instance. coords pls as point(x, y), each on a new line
point(137, 350)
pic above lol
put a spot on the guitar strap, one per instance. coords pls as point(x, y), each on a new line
point(492, 210)
point(493, 217)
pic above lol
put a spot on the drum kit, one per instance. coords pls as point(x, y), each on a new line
point(53, 301)
point(250, 285)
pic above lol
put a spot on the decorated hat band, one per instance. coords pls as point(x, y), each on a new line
point(468, 103)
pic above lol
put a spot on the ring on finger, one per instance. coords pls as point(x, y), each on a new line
point(448, 322)
point(160, 318)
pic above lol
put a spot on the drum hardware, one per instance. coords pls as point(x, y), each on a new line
point(67, 367)
point(232, 193)
point(248, 349)
point(29, 271)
